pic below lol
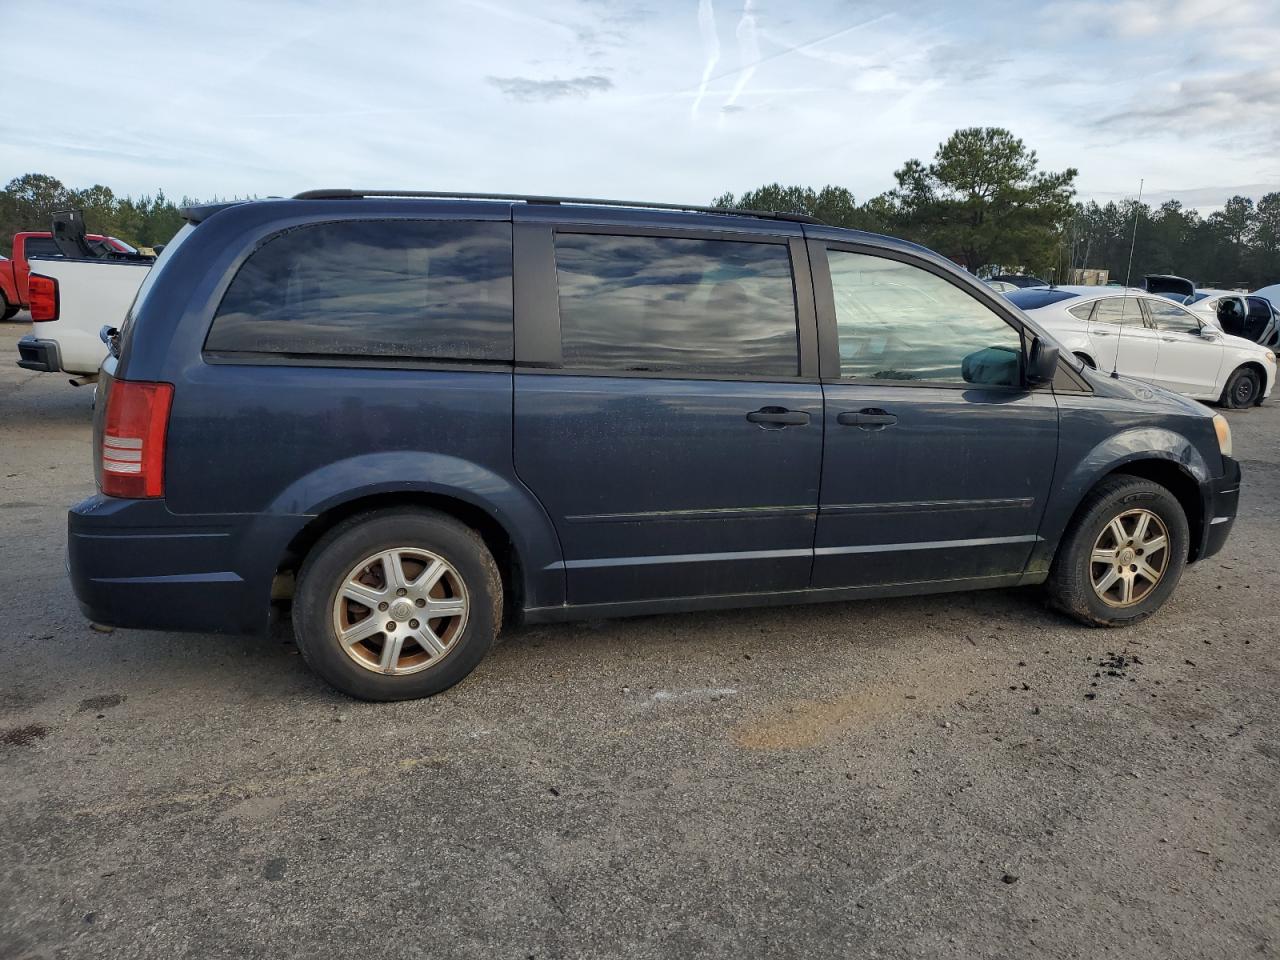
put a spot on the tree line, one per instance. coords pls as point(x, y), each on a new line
point(984, 202)
point(30, 201)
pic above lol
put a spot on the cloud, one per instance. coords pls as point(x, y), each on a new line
point(529, 90)
point(1146, 18)
point(1248, 100)
point(1202, 198)
point(961, 63)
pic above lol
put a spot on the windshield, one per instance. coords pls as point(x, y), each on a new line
point(1033, 298)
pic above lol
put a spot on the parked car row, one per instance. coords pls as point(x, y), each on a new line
point(15, 270)
point(1251, 316)
point(1143, 335)
point(75, 283)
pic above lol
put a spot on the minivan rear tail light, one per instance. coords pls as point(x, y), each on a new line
point(42, 297)
point(133, 438)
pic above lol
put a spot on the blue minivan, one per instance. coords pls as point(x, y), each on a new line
point(405, 419)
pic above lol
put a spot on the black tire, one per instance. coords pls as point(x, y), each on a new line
point(1243, 389)
point(7, 311)
point(1071, 585)
point(1086, 360)
point(347, 544)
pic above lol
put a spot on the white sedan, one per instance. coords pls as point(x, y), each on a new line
point(1152, 338)
point(1240, 314)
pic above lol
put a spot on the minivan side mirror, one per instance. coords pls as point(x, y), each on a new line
point(1042, 361)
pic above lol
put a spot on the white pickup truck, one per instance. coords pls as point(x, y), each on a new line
point(72, 298)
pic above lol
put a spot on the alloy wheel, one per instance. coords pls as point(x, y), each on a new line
point(400, 611)
point(1129, 558)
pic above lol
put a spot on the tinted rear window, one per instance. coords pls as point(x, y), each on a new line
point(666, 304)
point(41, 247)
point(1033, 298)
point(393, 288)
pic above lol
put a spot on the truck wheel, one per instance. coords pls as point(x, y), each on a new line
point(1242, 390)
point(1122, 555)
point(397, 604)
point(7, 312)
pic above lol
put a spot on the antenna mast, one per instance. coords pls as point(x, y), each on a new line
point(1137, 211)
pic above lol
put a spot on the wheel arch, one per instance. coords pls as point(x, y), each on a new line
point(504, 548)
point(511, 520)
point(1156, 454)
point(1178, 481)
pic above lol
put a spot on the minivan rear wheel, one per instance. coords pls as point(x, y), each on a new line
point(1123, 554)
point(397, 604)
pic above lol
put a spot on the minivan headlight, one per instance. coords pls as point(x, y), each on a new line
point(1223, 429)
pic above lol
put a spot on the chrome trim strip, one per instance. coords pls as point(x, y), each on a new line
point(679, 558)
point(926, 545)
point(711, 513)
point(221, 576)
point(927, 506)
point(781, 554)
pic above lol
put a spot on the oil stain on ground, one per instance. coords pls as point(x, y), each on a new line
point(23, 736)
point(104, 702)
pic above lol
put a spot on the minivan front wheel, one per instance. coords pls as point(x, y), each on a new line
point(397, 604)
point(1123, 554)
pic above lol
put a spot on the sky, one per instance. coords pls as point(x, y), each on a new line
point(636, 99)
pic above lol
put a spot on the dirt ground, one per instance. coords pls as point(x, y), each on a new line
point(958, 776)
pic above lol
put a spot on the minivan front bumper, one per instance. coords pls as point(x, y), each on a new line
point(1221, 501)
point(133, 563)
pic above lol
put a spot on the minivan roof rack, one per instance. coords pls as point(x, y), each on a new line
point(344, 194)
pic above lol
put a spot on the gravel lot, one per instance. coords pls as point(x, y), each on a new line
point(964, 776)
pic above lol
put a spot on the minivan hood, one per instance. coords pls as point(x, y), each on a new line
point(1139, 391)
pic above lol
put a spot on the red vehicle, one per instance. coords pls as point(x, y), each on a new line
point(14, 272)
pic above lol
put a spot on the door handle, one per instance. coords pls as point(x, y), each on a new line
point(770, 417)
point(870, 417)
point(1099, 333)
point(1169, 339)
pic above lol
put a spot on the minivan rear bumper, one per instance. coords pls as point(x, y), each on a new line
point(133, 563)
point(1222, 500)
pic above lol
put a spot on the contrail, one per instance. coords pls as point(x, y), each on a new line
point(711, 45)
point(748, 51)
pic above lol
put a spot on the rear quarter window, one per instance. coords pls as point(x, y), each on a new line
point(433, 290)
